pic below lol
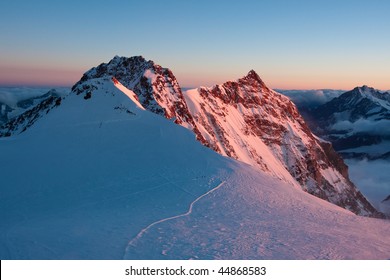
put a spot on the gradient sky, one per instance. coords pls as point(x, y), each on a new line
point(290, 44)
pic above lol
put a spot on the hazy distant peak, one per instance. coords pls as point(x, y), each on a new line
point(364, 89)
point(369, 93)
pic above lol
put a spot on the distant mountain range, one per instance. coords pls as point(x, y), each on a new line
point(357, 123)
point(17, 119)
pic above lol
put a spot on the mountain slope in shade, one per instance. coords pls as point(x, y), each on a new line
point(26, 112)
point(108, 170)
point(357, 123)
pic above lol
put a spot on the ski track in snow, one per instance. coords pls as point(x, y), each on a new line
point(139, 235)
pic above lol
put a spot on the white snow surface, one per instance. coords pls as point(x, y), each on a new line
point(103, 179)
point(255, 216)
point(129, 94)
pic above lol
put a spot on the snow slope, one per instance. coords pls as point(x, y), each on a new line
point(255, 216)
point(100, 178)
point(85, 179)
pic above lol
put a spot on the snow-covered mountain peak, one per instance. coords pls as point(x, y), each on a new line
point(370, 93)
point(120, 67)
point(361, 102)
point(156, 87)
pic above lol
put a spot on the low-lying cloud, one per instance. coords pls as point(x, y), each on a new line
point(311, 98)
point(372, 178)
point(381, 127)
point(12, 95)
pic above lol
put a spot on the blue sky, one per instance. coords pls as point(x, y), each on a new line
point(290, 44)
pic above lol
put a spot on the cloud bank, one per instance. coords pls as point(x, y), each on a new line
point(12, 95)
point(311, 98)
point(380, 127)
point(372, 178)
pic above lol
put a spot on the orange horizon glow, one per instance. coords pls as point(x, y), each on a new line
point(18, 76)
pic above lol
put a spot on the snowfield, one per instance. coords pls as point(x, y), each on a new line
point(254, 216)
point(101, 178)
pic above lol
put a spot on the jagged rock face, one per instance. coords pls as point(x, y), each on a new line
point(35, 107)
point(156, 87)
point(248, 121)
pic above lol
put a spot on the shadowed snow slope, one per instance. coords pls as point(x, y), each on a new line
point(84, 182)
